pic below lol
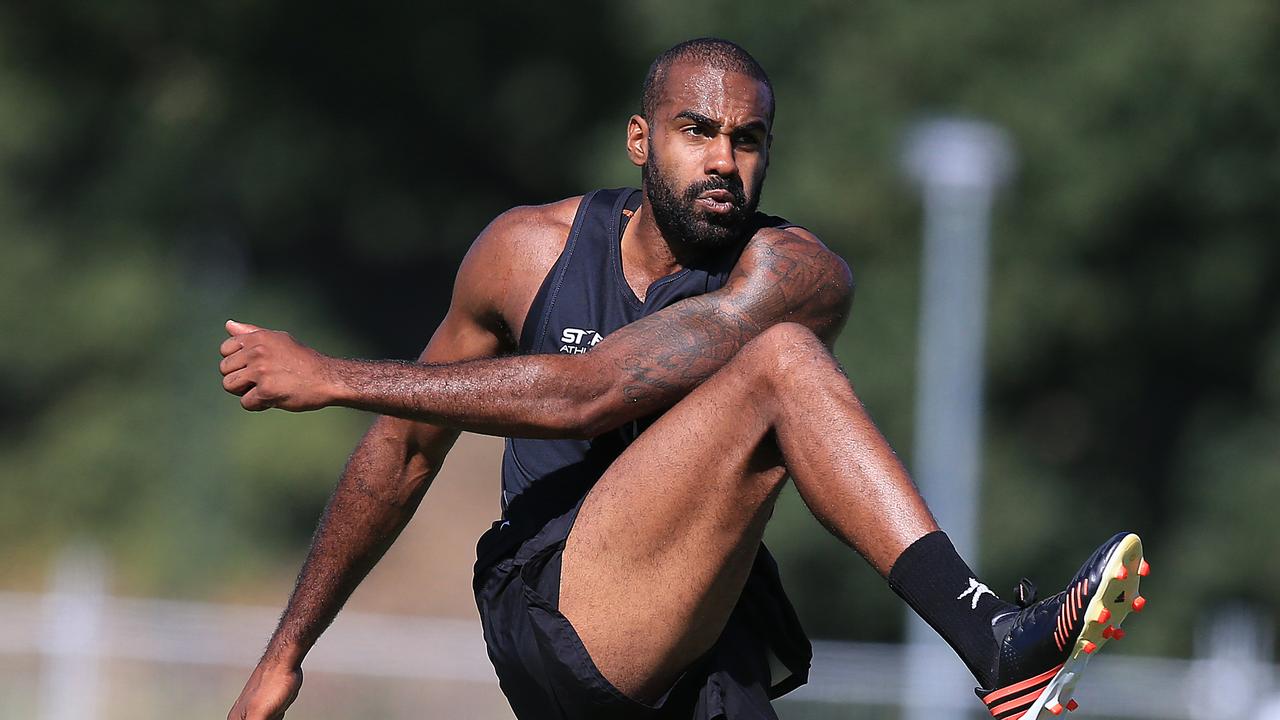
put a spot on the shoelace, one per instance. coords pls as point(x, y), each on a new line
point(1025, 593)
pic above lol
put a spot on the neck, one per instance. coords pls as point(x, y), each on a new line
point(647, 254)
point(654, 253)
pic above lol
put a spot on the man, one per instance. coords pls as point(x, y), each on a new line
point(671, 368)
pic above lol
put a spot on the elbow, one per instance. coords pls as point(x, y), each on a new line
point(584, 423)
point(591, 416)
point(587, 402)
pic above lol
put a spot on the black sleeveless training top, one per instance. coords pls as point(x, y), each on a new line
point(584, 298)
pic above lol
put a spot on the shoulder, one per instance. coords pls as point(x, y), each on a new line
point(789, 274)
point(527, 235)
point(505, 266)
point(796, 256)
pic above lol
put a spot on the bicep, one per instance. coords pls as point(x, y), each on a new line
point(653, 362)
point(795, 278)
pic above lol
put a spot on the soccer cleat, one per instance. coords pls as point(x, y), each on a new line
point(1045, 646)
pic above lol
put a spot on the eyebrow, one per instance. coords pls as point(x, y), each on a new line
point(699, 118)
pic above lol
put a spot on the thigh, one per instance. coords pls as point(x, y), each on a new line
point(665, 540)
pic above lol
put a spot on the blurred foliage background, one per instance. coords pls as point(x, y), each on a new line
point(164, 166)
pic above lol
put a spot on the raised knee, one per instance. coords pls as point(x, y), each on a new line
point(786, 335)
point(784, 353)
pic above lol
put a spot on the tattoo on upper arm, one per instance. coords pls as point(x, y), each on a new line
point(675, 350)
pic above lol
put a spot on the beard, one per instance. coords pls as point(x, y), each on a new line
point(677, 215)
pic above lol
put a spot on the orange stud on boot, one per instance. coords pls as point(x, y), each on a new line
point(1104, 615)
point(1108, 632)
point(1072, 705)
point(1089, 647)
point(1139, 603)
point(1118, 634)
point(1123, 573)
point(1056, 709)
point(1144, 569)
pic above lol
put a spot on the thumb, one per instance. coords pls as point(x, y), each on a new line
point(238, 328)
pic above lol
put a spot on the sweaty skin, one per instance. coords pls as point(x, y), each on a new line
point(709, 124)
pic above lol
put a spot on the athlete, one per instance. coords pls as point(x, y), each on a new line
point(659, 360)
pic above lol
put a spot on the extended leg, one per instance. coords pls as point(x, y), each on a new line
point(664, 541)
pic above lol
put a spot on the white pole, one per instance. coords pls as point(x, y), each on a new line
point(71, 636)
point(959, 165)
point(1233, 656)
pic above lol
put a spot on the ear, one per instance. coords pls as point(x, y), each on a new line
point(637, 140)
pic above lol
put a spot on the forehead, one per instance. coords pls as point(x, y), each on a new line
point(714, 92)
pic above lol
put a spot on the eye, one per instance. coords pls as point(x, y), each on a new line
point(698, 131)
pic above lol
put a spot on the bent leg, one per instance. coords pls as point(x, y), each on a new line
point(663, 543)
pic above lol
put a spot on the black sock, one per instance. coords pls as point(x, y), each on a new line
point(937, 583)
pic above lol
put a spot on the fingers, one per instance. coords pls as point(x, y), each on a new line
point(253, 400)
point(230, 345)
point(252, 356)
point(237, 331)
point(239, 379)
point(239, 328)
point(252, 397)
point(233, 362)
point(238, 382)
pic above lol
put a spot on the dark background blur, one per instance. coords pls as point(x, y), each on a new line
point(164, 166)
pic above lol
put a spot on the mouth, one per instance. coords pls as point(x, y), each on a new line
point(717, 201)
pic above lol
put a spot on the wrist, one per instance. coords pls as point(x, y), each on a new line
point(339, 388)
point(282, 658)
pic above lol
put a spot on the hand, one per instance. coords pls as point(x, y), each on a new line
point(268, 368)
point(270, 690)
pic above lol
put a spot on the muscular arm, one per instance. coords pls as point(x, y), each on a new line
point(384, 480)
point(783, 275)
point(381, 486)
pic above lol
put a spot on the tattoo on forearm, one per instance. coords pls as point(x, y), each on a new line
point(639, 369)
point(683, 348)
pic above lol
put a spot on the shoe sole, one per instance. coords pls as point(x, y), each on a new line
point(1116, 597)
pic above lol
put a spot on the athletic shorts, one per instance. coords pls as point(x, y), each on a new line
point(546, 673)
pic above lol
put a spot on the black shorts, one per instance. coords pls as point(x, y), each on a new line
point(546, 673)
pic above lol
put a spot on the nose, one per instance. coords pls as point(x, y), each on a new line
point(719, 158)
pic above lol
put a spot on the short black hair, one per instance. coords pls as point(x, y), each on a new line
point(712, 52)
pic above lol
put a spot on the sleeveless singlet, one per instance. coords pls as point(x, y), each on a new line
point(584, 297)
